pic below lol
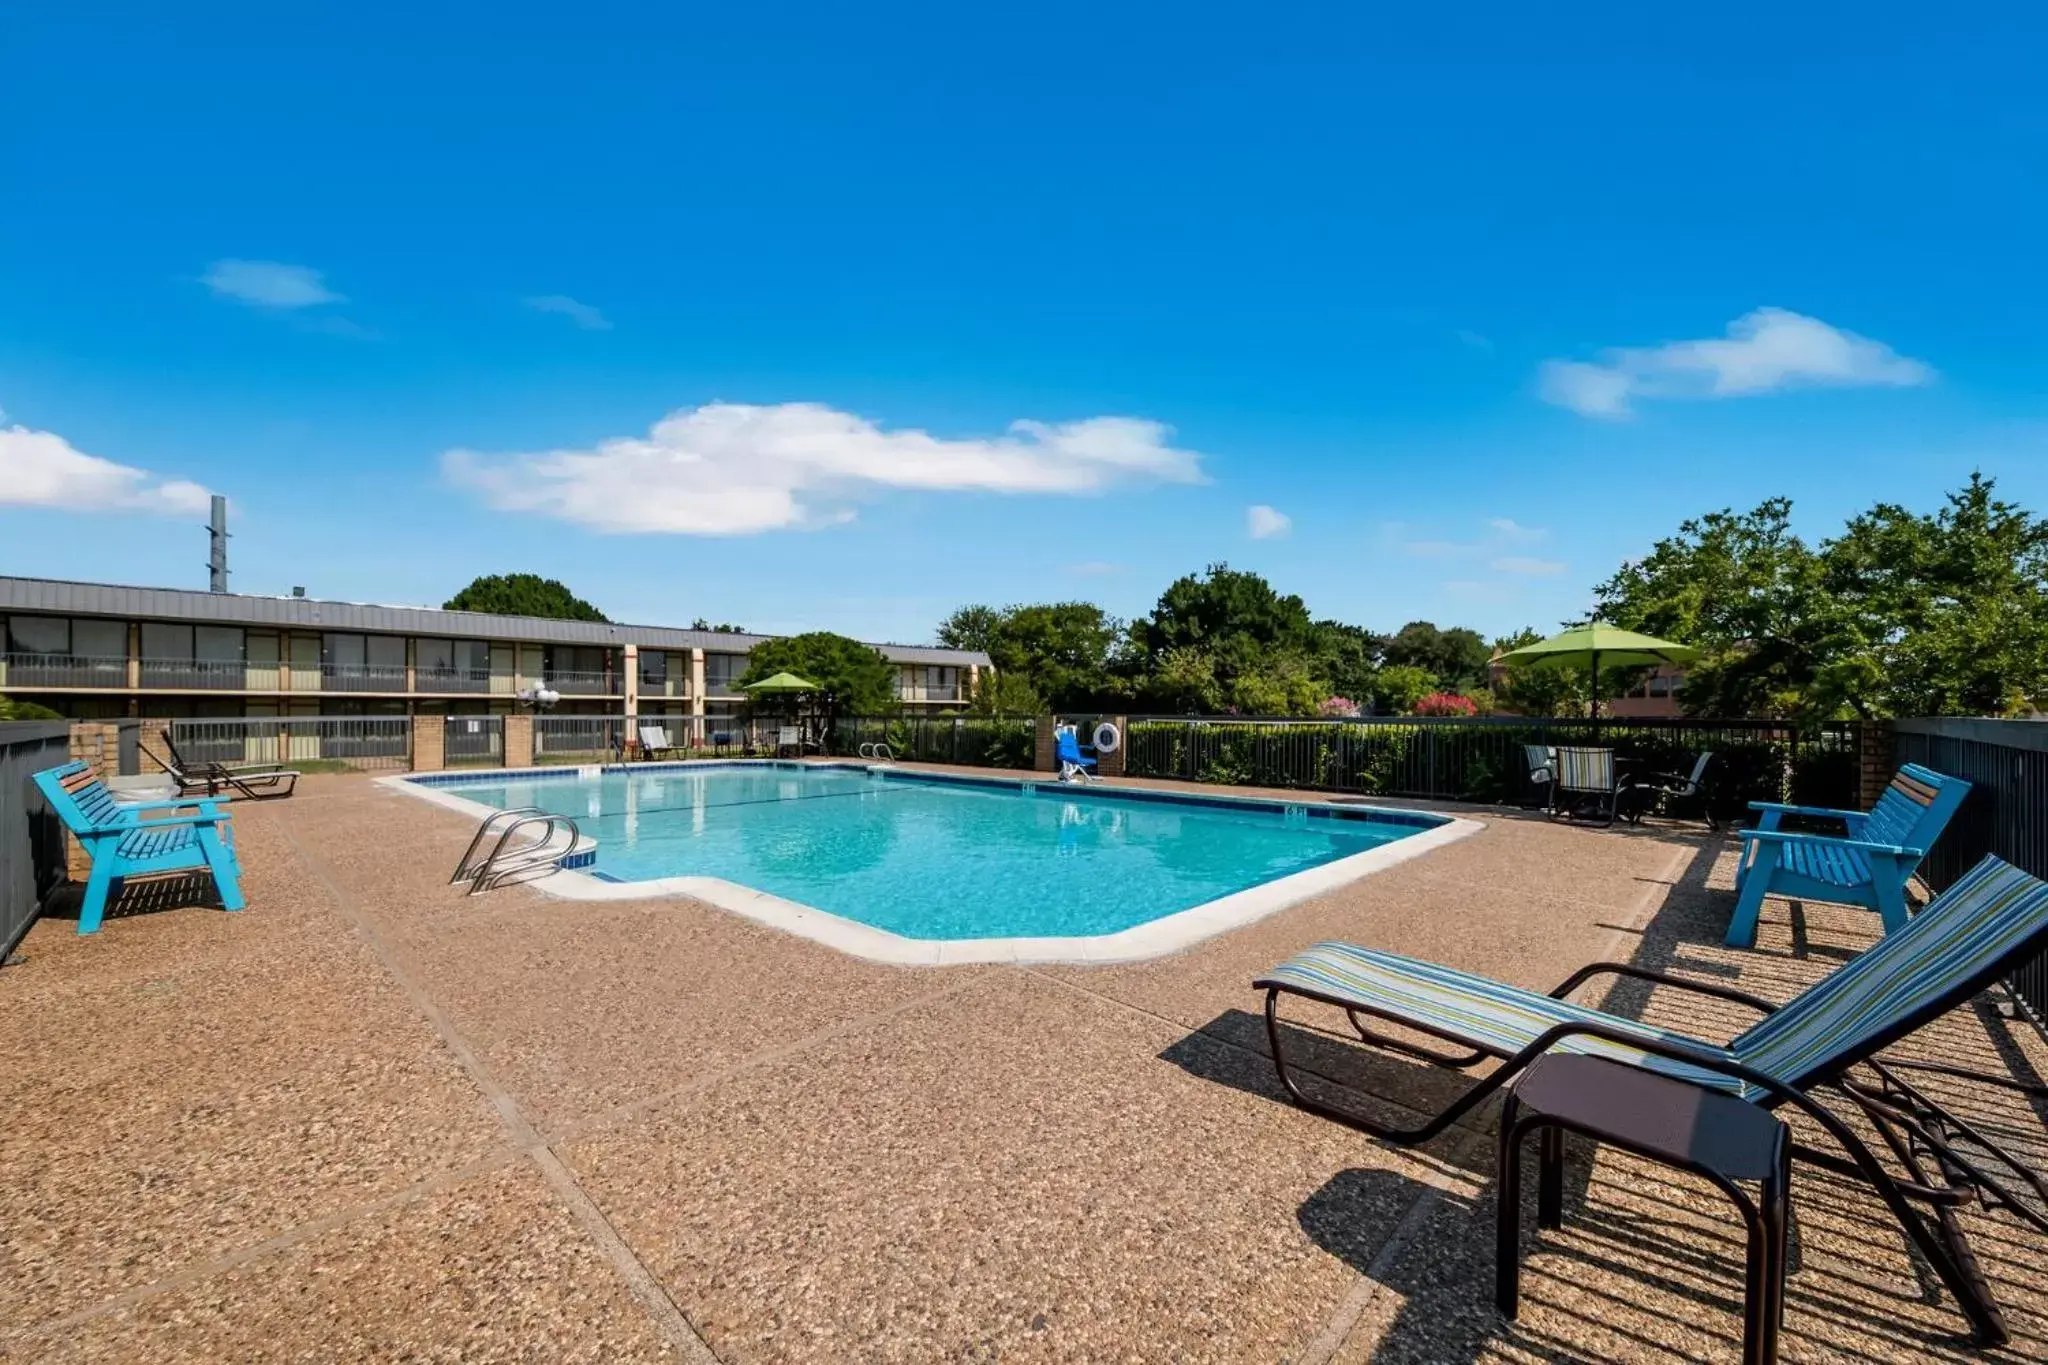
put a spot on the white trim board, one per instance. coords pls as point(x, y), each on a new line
point(1154, 938)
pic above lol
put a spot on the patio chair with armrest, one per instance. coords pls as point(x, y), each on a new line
point(1075, 766)
point(1643, 794)
point(1588, 783)
point(1869, 867)
point(256, 781)
point(1967, 938)
point(139, 838)
point(1541, 760)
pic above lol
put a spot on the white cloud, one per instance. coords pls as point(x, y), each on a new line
point(42, 469)
point(578, 312)
point(268, 284)
point(1527, 566)
point(1266, 523)
point(1765, 350)
point(1502, 533)
point(740, 469)
point(1507, 528)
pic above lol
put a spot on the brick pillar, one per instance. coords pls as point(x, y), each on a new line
point(429, 743)
point(98, 744)
point(1046, 746)
point(1875, 762)
point(519, 741)
point(1112, 764)
point(155, 752)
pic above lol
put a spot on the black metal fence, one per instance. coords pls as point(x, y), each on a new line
point(977, 741)
point(578, 739)
point(2006, 813)
point(473, 739)
point(31, 838)
point(307, 742)
point(1483, 759)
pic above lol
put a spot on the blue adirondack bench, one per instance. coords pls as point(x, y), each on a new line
point(1868, 866)
point(139, 838)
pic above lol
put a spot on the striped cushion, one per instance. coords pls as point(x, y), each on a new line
point(1585, 770)
point(1964, 932)
point(1491, 1014)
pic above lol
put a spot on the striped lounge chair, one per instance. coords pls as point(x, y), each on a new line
point(1970, 936)
point(1869, 867)
point(1588, 784)
point(139, 838)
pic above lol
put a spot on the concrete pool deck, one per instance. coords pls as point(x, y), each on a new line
point(372, 1119)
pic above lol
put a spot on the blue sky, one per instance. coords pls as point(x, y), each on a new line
point(843, 316)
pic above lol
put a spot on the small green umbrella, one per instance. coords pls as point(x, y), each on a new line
point(780, 682)
point(1598, 642)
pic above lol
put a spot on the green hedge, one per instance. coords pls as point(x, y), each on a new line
point(1484, 761)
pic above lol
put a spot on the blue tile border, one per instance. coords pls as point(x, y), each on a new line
point(1314, 805)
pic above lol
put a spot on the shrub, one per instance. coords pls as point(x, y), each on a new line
point(1446, 704)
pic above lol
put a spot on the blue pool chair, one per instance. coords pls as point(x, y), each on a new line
point(1073, 763)
point(138, 838)
point(1867, 867)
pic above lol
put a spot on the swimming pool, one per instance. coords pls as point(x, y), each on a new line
point(940, 860)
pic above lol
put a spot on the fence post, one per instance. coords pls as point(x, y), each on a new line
point(429, 738)
point(519, 741)
point(1874, 761)
point(1187, 748)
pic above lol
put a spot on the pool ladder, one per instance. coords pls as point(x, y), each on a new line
point(549, 839)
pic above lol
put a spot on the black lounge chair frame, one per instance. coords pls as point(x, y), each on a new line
point(1913, 1127)
point(257, 782)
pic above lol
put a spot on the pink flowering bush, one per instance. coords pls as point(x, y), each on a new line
point(1337, 706)
point(1446, 704)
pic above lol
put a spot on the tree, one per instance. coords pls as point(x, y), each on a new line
point(853, 678)
point(1949, 612)
point(1062, 650)
point(523, 594)
point(1398, 687)
point(1221, 605)
point(11, 709)
point(1746, 592)
point(972, 627)
point(1456, 658)
point(722, 628)
point(1345, 657)
point(1005, 694)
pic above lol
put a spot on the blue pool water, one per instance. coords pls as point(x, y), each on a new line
point(936, 859)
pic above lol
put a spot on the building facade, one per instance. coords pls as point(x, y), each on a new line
point(102, 651)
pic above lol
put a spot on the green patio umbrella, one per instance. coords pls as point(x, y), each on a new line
point(1598, 643)
point(780, 682)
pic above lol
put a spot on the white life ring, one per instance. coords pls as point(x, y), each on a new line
point(1106, 738)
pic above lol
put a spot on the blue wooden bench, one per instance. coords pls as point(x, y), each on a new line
point(139, 838)
point(1868, 866)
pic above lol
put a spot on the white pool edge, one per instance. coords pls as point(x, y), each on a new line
point(1155, 938)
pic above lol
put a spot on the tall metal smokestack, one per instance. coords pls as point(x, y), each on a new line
point(217, 562)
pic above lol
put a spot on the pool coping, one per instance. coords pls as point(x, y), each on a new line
point(1172, 933)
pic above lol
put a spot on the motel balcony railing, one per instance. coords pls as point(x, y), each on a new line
point(231, 675)
point(451, 680)
point(945, 694)
point(62, 670)
point(577, 683)
point(362, 677)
